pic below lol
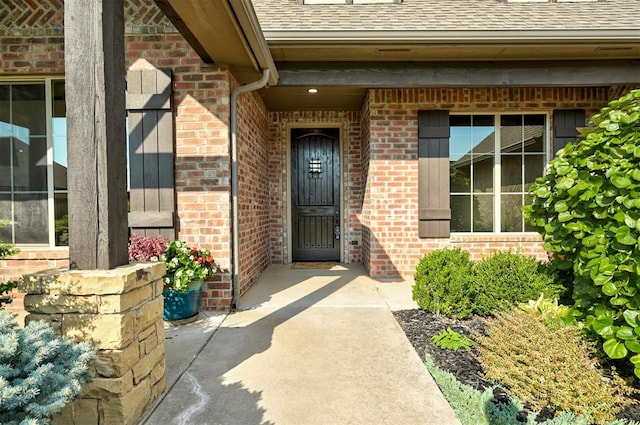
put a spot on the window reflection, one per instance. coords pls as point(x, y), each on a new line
point(473, 159)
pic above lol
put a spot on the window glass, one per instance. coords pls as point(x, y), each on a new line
point(61, 219)
point(511, 170)
point(31, 218)
point(6, 231)
point(460, 213)
point(511, 213)
point(59, 136)
point(28, 108)
point(473, 172)
point(4, 106)
point(482, 213)
point(30, 164)
point(24, 164)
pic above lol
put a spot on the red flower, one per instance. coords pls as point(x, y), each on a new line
point(209, 260)
point(200, 260)
point(194, 250)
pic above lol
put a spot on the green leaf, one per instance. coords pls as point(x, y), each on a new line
point(623, 236)
point(565, 183)
point(620, 181)
point(561, 206)
point(632, 345)
point(635, 359)
point(542, 192)
point(625, 333)
point(610, 289)
point(563, 217)
point(601, 279)
point(615, 349)
point(603, 326)
point(631, 317)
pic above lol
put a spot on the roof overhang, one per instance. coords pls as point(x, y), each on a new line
point(226, 32)
point(470, 45)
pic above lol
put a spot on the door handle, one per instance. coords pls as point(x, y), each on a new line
point(336, 231)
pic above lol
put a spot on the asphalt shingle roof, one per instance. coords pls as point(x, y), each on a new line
point(446, 15)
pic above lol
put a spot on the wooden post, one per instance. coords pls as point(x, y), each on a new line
point(95, 94)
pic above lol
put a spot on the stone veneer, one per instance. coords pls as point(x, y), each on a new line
point(120, 312)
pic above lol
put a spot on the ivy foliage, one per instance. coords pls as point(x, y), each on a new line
point(587, 207)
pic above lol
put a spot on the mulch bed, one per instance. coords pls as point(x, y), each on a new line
point(419, 326)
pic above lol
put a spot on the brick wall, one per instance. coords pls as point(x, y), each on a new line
point(31, 42)
point(253, 197)
point(391, 193)
point(280, 125)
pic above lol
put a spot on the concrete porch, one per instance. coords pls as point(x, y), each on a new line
point(311, 346)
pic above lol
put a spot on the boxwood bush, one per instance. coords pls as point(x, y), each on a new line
point(442, 283)
point(506, 278)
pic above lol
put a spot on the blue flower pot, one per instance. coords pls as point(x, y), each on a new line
point(182, 305)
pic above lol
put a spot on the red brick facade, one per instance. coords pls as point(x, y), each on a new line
point(201, 105)
point(391, 194)
point(379, 187)
point(253, 199)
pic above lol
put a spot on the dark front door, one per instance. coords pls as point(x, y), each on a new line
point(315, 194)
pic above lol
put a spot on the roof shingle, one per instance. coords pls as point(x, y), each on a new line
point(448, 15)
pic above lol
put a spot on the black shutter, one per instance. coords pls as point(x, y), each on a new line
point(151, 154)
point(433, 174)
point(565, 123)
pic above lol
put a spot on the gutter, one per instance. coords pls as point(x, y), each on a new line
point(276, 37)
point(246, 17)
point(235, 249)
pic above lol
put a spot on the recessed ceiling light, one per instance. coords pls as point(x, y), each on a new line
point(312, 90)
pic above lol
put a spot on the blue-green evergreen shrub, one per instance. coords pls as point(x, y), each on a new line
point(40, 372)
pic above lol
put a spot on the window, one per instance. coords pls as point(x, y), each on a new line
point(493, 159)
point(33, 162)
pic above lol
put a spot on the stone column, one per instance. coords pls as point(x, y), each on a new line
point(120, 312)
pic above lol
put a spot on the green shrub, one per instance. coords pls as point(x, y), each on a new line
point(549, 364)
point(40, 372)
point(504, 279)
point(587, 206)
point(449, 339)
point(442, 282)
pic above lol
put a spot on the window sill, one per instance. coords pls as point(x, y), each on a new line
point(495, 237)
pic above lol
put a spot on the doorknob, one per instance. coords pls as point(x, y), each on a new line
point(336, 231)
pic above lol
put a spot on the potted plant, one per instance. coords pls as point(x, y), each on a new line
point(187, 268)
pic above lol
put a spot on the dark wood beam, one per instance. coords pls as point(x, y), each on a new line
point(460, 74)
point(95, 95)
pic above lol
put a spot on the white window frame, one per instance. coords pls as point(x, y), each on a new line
point(497, 165)
point(47, 81)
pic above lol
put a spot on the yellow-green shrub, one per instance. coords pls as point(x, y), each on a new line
point(547, 363)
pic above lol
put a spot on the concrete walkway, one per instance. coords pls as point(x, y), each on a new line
point(307, 347)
